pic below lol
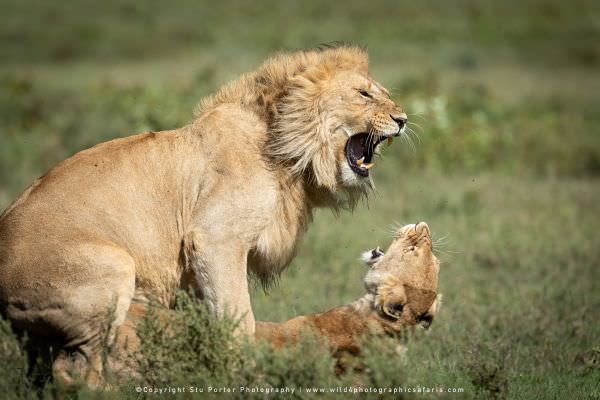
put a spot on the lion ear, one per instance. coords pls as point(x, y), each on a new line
point(370, 257)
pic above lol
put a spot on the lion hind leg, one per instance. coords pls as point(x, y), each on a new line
point(87, 314)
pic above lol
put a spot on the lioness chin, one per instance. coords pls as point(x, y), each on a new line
point(197, 207)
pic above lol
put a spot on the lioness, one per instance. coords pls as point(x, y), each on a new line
point(401, 292)
point(197, 207)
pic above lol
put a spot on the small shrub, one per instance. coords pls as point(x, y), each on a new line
point(13, 380)
point(486, 366)
point(193, 347)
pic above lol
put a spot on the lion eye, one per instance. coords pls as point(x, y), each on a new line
point(364, 93)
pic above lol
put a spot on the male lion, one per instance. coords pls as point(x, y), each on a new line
point(197, 207)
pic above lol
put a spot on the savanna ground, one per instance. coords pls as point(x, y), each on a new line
point(506, 170)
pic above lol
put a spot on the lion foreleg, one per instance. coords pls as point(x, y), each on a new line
point(220, 276)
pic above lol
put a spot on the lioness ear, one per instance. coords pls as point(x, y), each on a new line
point(372, 256)
point(436, 306)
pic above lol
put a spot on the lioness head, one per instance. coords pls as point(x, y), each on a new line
point(404, 279)
point(330, 116)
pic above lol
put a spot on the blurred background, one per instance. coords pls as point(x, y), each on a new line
point(504, 162)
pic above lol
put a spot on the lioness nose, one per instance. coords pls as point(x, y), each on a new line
point(422, 227)
point(400, 119)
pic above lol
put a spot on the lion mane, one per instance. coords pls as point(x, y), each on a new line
point(283, 91)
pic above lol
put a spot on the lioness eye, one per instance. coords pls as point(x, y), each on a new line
point(364, 93)
point(425, 320)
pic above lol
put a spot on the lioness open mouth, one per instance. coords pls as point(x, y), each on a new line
point(360, 149)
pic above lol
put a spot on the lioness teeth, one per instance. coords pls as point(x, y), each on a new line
point(368, 165)
point(360, 162)
point(390, 140)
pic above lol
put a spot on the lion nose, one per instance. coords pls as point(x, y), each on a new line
point(400, 119)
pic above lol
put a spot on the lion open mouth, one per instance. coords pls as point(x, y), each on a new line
point(360, 149)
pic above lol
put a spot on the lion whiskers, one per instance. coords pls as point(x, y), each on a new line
point(415, 124)
point(438, 245)
point(370, 137)
point(405, 137)
point(413, 133)
point(418, 115)
point(439, 242)
point(395, 227)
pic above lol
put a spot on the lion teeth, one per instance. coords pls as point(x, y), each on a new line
point(368, 165)
point(390, 140)
point(360, 162)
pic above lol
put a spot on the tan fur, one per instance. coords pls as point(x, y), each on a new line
point(196, 207)
point(406, 275)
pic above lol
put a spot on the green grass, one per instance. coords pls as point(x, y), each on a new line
point(506, 169)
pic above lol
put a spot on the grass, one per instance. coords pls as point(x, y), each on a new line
point(506, 171)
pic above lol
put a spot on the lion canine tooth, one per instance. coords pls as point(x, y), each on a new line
point(390, 140)
point(368, 165)
point(361, 161)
